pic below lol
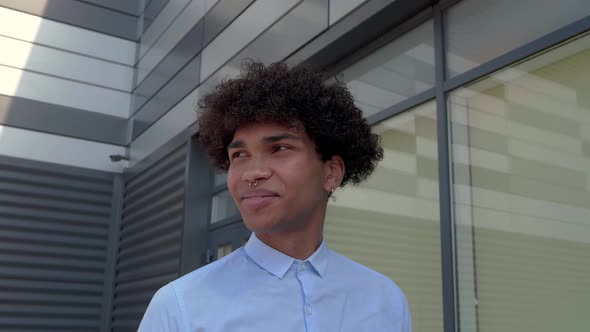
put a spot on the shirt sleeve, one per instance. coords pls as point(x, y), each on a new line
point(163, 313)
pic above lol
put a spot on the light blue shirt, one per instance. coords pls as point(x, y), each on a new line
point(257, 288)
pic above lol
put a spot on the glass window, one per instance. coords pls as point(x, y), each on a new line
point(391, 222)
point(393, 73)
point(521, 168)
point(223, 206)
point(478, 31)
point(224, 250)
point(219, 179)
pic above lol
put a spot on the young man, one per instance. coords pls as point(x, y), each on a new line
point(287, 141)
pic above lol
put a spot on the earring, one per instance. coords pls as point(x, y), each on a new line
point(331, 195)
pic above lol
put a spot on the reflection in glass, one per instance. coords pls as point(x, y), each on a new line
point(223, 206)
point(521, 167)
point(391, 222)
point(393, 73)
point(219, 179)
point(224, 250)
point(477, 31)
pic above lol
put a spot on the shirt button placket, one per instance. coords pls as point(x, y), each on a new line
point(307, 307)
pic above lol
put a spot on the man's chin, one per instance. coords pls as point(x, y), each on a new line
point(262, 227)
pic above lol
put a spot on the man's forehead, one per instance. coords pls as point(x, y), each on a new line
point(260, 129)
point(265, 132)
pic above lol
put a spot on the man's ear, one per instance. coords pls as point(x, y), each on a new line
point(334, 170)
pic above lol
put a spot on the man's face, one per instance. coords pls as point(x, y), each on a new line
point(291, 180)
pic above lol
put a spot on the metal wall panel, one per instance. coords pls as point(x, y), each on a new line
point(152, 10)
point(53, 239)
point(188, 47)
point(166, 42)
point(84, 15)
point(61, 120)
point(48, 89)
point(339, 8)
point(64, 64)
point(166, 129)
point(41, 31)
point(57, 149)
point(174, 91)
point(221, 15)
point(129, 7)
point(160, 24)
point(150, 238)
point(245, 28)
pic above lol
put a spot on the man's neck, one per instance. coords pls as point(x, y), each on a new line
point(296, 244)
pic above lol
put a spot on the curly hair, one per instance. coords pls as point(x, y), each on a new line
point(294, 96)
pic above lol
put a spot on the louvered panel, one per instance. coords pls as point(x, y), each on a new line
point(167, 181)
point(53, 242)
point(164, 213)
point(153, 214)
point(52, 262)
point(12, 246)
point(51, 192)
point(45, 179)
point(47, 238)
point(161, 241)
point(49, 274)
point(150, 238)
point(45, 310)
point(48, 297)
point(143, 178)
point(139, 260)
point(50, 216)
point(51, 324)
point(57, 287)
point(161, 225)
point(154, 269)
point(167, 198)
point(130, 312)
point(139, 298)
point(126, 325)
point(54, 204)
point(24, 224)
point(138, 286)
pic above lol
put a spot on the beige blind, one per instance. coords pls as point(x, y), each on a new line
point(522, 183)
point(391, 222)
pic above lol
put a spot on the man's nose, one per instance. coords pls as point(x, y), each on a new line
point(258, 169)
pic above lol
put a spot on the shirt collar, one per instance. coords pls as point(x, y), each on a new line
point(279, 263)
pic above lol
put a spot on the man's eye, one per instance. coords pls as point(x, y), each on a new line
point(281, 148)
point(238, 154)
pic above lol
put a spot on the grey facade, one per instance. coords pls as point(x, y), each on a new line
point(85, 242)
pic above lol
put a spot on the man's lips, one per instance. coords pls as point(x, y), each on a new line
point(259, 193)
point(256, 199)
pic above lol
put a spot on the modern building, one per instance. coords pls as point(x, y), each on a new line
point(480, 210)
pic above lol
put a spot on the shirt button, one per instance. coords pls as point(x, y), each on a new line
point(308, 310)
point(302, 266)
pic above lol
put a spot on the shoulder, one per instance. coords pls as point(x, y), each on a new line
point(200, 281)
point(386, 296)
point(163, 312)
point(210, 273)
point(168, 308)
point(363, 275)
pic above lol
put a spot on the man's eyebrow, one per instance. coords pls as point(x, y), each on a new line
point(235, 145)
point(280, 137)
